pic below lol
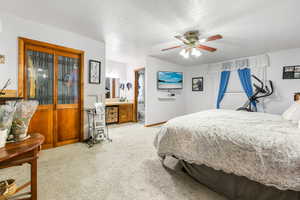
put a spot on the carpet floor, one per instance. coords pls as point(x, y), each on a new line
point(126, 169)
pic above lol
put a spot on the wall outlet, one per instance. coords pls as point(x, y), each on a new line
point(2, 59)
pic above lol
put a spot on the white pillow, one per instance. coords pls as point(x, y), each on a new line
point(293, 112)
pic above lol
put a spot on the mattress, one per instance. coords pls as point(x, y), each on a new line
point(236, 187)
point(262, 147)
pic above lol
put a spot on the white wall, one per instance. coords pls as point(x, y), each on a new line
point(197, 101)
point(276, 104)
point(14, 27)
point(161, 110)
point(284, 89)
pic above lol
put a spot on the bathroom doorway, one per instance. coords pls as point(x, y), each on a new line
point(139, 95)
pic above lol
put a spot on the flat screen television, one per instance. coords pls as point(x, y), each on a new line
point(169, 80)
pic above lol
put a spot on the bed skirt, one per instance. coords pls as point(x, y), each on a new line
point(236, 187)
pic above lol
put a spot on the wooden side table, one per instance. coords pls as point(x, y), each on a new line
point(19, 153)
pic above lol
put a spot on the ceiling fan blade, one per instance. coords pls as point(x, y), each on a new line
point(211, 49)
point(175, 47)
point(212, 38)
point(182, 39)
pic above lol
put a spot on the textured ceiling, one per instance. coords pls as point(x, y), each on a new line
point(135, 28)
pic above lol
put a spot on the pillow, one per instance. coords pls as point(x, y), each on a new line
point(3, 137)
point(293, 113)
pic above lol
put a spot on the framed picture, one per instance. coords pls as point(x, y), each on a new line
point(289, 69)
point(2, 59)
point(291, 72)
point(169, 80)
point(94, 72)
point(197, 84)
point(297, 69)
point(297, 96)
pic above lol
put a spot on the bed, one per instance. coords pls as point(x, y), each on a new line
point(248, 152)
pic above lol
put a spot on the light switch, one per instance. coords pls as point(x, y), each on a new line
point(2, 59)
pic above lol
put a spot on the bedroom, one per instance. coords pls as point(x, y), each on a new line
point(119, 38)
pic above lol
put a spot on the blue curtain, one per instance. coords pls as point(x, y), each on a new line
point(223, 86)
point(245, 78)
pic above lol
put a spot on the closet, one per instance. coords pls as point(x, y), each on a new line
point(53, 75)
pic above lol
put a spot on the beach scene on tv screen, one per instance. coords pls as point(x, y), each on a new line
point(170, 80)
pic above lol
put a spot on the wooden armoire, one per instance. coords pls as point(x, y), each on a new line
point(53, 75)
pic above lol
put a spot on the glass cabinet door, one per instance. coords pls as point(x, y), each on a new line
point(68, 80)
point(40, 76)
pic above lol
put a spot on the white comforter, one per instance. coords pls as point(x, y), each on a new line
point(263, 147)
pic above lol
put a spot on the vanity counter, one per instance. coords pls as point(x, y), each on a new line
point(119, 112)
point(118, 103)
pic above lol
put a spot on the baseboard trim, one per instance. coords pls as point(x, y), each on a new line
point(156, 124)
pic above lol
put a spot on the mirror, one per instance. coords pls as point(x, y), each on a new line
point(112, 88)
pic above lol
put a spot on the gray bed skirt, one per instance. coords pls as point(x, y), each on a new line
point(236, 187)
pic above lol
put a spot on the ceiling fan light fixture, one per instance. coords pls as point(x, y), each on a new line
point(184, 53)
point(186, 56)
point(196, 52)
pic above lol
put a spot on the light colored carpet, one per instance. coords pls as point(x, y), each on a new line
point(126, 169)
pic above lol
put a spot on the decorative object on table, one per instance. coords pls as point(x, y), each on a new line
point(122, 92)
point(22, 117)
point(2, 59)
point(129, 86)
point(6, 118)
point(197, 84)
point(122, 99)
point(122, 86)
point(94, 72)
point(7, 188)
point(291, 72)
point(127, 92)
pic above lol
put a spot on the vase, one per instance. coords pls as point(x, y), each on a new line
point(22, 116)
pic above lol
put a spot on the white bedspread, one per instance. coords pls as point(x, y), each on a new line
point(263, 147)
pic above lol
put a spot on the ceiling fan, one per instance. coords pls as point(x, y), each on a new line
point(192, 44)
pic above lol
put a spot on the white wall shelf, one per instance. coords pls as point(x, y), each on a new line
point(167, 98)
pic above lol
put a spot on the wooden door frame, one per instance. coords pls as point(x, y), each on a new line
point(113, 88)
point(135, 100)
point(22, 43)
